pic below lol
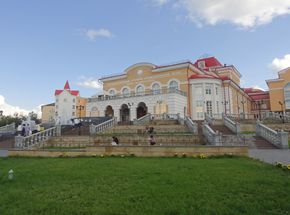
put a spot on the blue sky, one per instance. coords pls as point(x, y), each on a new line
point(45, 43)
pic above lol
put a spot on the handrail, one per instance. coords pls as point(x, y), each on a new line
point(209, 119)
point(8, 129)
point(103, 126)
point(277, 138)
point(192, 126)
point(165, 116)
point(233, 126)
point(35, 139)
point(143, 119)
point(210, 135)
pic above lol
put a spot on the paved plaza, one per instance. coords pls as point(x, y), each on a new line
point(271, 155)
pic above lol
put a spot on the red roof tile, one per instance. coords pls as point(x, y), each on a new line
point(67, 87)
point(209, 62)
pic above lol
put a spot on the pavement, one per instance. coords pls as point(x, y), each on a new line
point(271, 155)
point(3, 153)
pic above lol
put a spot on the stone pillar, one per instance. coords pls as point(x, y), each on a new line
point(283, 139)
point(238, 128)
point(19, 142)
point(58, 130)
point(133, 113)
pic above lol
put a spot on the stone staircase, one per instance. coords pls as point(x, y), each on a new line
point(261, 143)
point(165, 133)
point(222, 129)
point(75, 131)
point(7, 143)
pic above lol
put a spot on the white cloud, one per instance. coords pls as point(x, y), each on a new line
point(280, 63)
point(258, 88)
point(90, 83)
point(245, 13)
point(11, 110)
point(93, 34)
point(160, 2)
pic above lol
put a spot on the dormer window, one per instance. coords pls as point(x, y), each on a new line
point(201, 64)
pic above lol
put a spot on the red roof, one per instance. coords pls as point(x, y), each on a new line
point(67, 88)
point(196, 76)
point(253, 90)
point(260, 96)
point(209, 62)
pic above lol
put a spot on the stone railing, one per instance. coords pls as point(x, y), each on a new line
point(103, 126)
point(137, 94)
point(208, 118)
point(8, 129)
point(277, 116)
point(35, 139)
point(235, 127)
point(212, 137)
point(165, 116)
point(192, 126)
point(143, 120)
point(277, 138)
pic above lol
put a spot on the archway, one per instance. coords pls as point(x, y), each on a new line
point(125, 113)
point(141, 110)
point(109, 111)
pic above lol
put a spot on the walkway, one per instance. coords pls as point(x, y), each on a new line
point(271, 155)
point(3, 153)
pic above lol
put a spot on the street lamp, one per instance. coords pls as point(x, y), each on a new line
point(80, 108)
point(243, 103)
point(282, 109)
point(225, 104)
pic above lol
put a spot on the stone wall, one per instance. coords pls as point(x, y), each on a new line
point(140, 151)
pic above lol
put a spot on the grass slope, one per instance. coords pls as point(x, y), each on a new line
point(171, 186)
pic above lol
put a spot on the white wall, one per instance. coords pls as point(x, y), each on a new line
point(64, 108)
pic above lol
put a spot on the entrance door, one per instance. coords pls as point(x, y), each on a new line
point(141, 110)
point(125, 114)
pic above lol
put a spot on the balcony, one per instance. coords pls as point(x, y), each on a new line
point(138, 94)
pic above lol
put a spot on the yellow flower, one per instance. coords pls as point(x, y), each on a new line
point(288, 166)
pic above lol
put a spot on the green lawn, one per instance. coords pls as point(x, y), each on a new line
point(137, 186)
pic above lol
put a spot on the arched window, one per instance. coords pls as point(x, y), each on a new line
point(286, 97)
point(112, 93)
point(126, 92)
point(140, 90)
point(173, 85)
point(156, 88)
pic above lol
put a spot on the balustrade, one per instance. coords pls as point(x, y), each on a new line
point(233, 126)
point(192, 126)
point(277, 138)
point(103, 126)
point(8, 129)
point(34, 139)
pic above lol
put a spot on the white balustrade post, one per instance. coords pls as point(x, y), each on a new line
point(283, 139)
point(19, 142)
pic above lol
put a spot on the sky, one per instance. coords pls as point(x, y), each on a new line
point(44, 43)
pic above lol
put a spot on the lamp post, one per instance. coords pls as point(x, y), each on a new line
point(225, 104)
point(80, 108)
point(282, 109)
point(243, 103)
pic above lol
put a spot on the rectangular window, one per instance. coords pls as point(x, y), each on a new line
point(208, 90)
point(73, 107)
point(73, 113)
point(74, 100)
point(65, 100)
point(216, 91)
point(209, 107)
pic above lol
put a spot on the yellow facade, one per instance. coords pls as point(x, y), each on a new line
point(276, 90)
point(81, 107)
point(48, 113)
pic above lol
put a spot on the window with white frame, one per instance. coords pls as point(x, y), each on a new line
point(140, 90)
point(216, 90)
point(156, 88)
point(126, 92)
point(208, 90)
point(173, 85)
point(198, 91)
point(217, 107)
point(201, 64)
point(209, 107)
